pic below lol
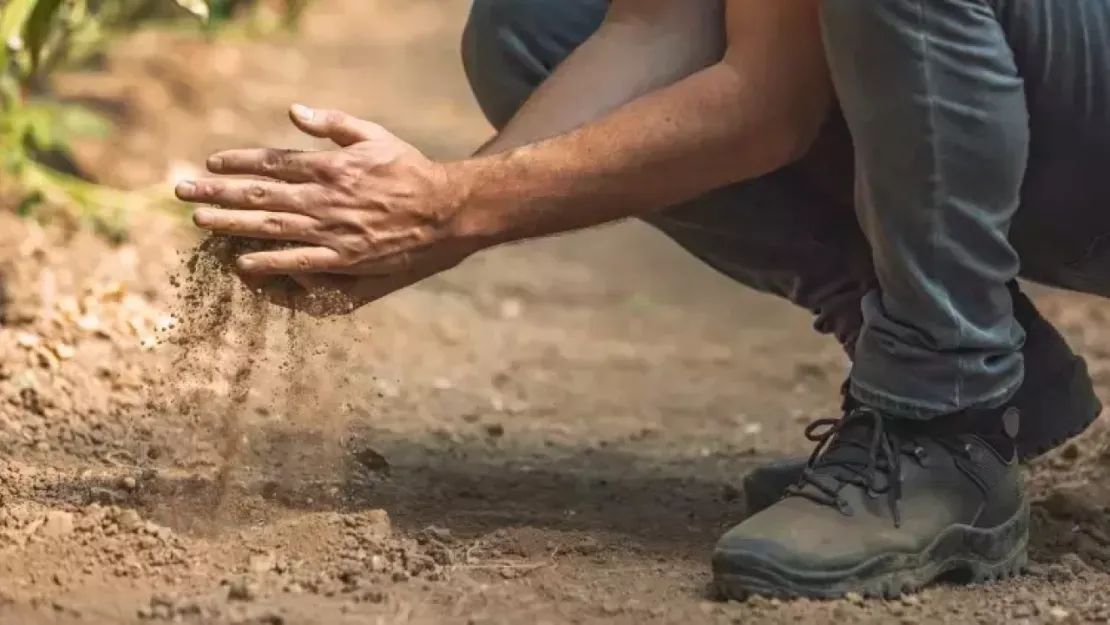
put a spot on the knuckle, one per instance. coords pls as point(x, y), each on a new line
point(272, 226)
point(256, 194)
point(274, 160)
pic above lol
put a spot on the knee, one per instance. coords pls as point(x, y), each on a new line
point(496, 55)
point(510, 46)
point(855, 22)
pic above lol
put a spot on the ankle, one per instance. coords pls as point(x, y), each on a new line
point(997, 427)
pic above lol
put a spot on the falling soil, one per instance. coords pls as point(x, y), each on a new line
point(218, 316)
point(222, 335)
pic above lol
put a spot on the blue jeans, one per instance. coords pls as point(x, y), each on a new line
point(980, 129)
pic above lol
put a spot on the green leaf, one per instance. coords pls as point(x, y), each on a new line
point(39, 127)
point(27, 205)
point(13, 16)
point(39, 23)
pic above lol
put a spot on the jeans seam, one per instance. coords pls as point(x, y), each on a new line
point(939, 185)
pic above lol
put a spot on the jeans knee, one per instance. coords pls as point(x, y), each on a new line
point(510, 46)
point(852, 22)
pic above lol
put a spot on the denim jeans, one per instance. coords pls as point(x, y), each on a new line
point(979, 130)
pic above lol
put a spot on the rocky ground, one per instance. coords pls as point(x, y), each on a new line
point(550, 434)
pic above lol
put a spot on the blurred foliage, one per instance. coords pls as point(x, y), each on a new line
point(41, 37)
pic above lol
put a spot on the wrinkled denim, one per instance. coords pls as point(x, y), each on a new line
point(981, 129)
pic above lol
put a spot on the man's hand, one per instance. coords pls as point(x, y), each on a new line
point(329, 295)
point(375, 207)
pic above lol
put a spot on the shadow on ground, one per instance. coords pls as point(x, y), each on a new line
point(469, 487)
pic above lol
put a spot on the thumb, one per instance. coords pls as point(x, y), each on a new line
point(341, 128)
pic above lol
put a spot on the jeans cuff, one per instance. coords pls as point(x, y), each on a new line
point(902, 408)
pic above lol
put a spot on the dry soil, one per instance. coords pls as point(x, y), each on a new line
point(550, 434)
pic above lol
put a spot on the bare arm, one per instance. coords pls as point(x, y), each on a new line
point(641, 46)
point(756, 109)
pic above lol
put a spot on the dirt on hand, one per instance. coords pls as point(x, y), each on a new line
point(550, 434)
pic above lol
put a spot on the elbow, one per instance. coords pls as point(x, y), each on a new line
point(793, 135)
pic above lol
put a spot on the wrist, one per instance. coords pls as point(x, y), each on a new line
point(472, 220)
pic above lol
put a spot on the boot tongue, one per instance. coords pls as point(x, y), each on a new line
point(849, 454)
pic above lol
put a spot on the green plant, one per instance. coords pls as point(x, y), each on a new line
point(39, 37)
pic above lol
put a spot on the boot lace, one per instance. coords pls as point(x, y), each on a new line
point(864, 449)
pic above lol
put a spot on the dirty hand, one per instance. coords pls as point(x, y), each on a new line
point(328, 295)
point(375, 207)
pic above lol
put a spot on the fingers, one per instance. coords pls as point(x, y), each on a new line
point(323, 281)
point(293, 260)
point(339, 127)
point(285, 165)
point(259, 224)
point(285, 291)
point(247, 194)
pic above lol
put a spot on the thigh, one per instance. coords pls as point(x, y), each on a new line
point(1062, 230)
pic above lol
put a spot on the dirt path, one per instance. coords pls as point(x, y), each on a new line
point(550, 434)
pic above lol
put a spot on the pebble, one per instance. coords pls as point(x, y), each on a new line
point(262, 562)
point(129, 520)
point(1058, 615)
point(58, 524)
point(241, 591)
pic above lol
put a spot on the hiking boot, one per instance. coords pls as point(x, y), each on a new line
point(884, 507)
point(1057, 402)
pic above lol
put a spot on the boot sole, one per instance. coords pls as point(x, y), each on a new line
point(980, 556)
point(762, 491)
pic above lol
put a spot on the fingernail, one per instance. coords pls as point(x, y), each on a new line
point(200, 218)
point(246, 264)
point(186, 188)
point(302, 112)
point(214, 163)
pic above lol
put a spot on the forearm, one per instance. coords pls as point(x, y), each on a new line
point(705, 131)
point(625, 59)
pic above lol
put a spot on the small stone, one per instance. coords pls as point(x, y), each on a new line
point(378, 564)
point(128, 483)
point(611, 608)
point(241, 591)
point(511, 308)
point(1058, 614)
point(853, 597)
point(1074, 563)
point(261, 562)
point(129, 520)
point(58, 524)
point(439, 534)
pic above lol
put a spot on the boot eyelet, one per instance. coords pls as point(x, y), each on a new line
point(920, 453)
